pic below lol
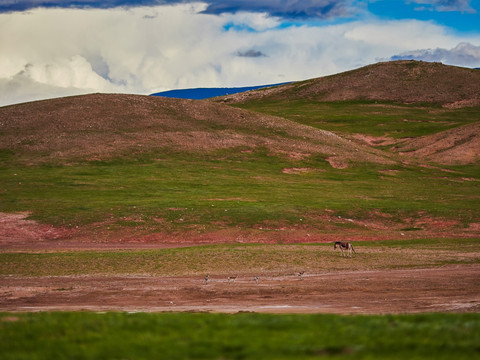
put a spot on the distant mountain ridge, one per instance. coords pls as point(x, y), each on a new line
point(206, 93)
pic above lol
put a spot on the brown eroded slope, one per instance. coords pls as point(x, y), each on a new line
point(398, 81)
point(101, 126)
point(460, 145)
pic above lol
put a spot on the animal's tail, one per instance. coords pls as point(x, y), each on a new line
point(353, 249)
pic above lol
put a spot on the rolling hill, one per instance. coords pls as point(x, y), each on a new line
point(400, 81)
point(104, 126)
point(311, 161)
point(386, 104)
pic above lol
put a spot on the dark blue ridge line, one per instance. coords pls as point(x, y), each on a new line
point(205, 93)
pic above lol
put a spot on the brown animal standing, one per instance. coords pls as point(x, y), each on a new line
point(344, 246)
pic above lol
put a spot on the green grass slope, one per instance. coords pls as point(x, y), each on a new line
point(388, 105)
point(184, 192)
point(110, 164)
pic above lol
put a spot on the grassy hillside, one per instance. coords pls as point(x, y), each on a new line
point(386, 105)
point(136, 165)
point(174, 191)
point(394, 120)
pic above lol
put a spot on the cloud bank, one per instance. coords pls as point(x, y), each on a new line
point(291, 9)
point(464, 54)
point(285, 9)
point(57, 52)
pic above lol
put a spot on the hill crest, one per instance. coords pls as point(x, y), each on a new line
point(103, 126)
point(403, 81)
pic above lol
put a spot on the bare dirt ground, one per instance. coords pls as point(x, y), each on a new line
point(449, 288)
point(453, 288)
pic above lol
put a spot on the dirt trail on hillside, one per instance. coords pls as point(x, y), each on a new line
point(453, 288)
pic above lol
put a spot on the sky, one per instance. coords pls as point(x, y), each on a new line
point(59, 48)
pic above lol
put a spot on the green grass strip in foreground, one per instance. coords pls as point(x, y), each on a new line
point(240, 336)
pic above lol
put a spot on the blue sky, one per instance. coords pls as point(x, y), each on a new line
point(58, 48)
point(463, 17)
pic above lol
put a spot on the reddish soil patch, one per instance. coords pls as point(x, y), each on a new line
point(16, 229)
point(17, 233)
point(374, 140)
point(450, 288)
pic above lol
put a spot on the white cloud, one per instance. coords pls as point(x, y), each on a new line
point(401, 33)
point(74, 72)
point(23, 89)
point(54, 52)
point(464, 54)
